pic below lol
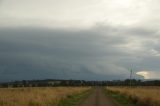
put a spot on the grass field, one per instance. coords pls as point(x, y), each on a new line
point(39, 96)
point(142, 96)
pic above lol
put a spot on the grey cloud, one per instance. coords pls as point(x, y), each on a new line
point(38, 53)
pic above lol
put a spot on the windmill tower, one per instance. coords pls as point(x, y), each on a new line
point(131, 71)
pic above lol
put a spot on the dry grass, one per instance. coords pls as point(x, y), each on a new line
point(143, 96)
point(35, 96)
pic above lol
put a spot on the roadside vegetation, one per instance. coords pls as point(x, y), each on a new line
point(41, 96)
point(135, 96)
point(72, 100)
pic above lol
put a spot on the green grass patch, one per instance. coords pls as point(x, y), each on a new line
point(120, 98)
point(72, 100)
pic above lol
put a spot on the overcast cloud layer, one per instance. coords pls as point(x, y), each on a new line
point(82, 39)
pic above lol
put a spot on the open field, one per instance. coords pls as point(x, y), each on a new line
point(142, 96)
point(38, 96)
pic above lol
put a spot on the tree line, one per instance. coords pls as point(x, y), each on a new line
point(54, 83)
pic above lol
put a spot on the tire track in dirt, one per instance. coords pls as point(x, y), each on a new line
point(98, 98)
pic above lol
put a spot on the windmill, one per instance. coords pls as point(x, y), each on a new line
point(131, 71)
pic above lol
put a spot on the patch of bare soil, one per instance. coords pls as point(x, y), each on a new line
point(98, 98)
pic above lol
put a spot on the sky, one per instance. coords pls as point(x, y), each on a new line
point(79, 39)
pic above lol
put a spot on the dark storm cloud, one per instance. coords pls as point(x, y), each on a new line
point(38, 53)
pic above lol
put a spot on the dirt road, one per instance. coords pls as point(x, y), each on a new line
point(98, 98)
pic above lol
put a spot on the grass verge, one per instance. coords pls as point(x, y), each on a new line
point(74, 99)
point(120, 98)
point(140, 95)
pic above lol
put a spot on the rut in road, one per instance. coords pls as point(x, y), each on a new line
point(98, 98)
